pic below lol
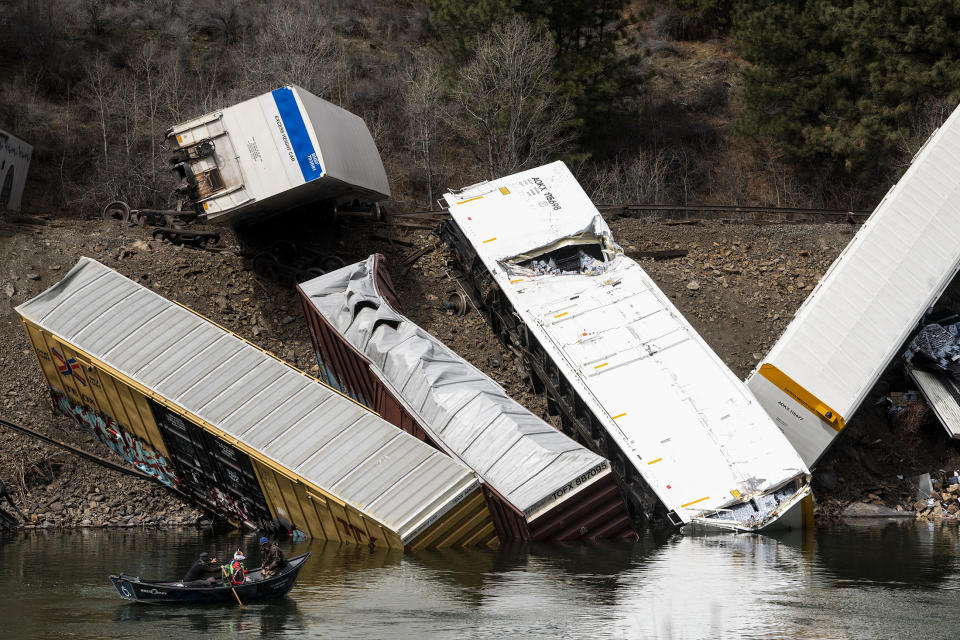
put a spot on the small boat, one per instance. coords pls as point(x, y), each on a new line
point(255, 587)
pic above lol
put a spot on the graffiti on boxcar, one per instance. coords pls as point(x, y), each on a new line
point(228, 504)
point(109, 431)
point(356, 532)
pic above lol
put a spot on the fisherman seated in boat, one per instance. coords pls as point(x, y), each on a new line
point(202, 573)
point(235, 573)
point(272, 561)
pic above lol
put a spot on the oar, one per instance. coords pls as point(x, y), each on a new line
point(242, 606)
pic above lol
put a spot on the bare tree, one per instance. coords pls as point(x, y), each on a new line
point(295, 46)
point(422, 93)
point(507, 102)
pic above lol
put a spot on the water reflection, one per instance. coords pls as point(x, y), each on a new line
point(890, 580)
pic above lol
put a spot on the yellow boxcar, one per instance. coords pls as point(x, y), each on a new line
point(243, 433)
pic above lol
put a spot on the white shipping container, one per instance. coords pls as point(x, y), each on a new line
point(272, 153)
point(688, 426)
point(14, 161)
point(860, 314)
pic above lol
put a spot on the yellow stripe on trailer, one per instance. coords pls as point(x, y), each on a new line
point(809, 401)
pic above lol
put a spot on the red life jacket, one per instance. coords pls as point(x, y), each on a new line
point(238, 574)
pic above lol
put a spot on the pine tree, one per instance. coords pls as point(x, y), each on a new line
point(841, 82)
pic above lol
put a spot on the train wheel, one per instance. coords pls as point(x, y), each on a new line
point(266, 266)
point(117, 210)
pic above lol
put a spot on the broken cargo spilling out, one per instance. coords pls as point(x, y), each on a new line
point(541, 485)
point(239, 431)
point(627, 373)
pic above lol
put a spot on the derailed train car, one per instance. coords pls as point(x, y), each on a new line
point(873, 297)
point(245, 434)
point(541, 485)
point(626, 372)
point(275, 152)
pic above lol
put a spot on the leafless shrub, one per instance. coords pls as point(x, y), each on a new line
point(295, 46)
point(641, 178)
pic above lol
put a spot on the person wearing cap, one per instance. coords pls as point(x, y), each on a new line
point(272, 561)
point(199, 574)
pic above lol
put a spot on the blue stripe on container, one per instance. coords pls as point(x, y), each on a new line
point(297, 134)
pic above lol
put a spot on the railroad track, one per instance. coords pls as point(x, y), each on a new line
point(680, 212)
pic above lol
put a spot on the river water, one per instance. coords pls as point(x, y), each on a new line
point(895, 580)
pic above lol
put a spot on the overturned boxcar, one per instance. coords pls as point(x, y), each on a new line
point(540, 484)
point(245, 434)
point(629, 376)
point(275, 152)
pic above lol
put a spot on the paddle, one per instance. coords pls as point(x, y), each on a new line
point(242, 606)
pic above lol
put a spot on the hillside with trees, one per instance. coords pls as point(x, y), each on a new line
point(806, 103)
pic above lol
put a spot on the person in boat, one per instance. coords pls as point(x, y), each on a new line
point(202, 573)
point(235, 573)
point(272, 561)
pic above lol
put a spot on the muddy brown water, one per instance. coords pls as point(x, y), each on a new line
point(895, 580)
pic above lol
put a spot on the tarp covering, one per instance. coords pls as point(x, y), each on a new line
point(468, 414)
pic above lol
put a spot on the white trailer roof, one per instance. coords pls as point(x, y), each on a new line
point(326, 438)
point(691, 428)
point(464, 411)
point(857, 318)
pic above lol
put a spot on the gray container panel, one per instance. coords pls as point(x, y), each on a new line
point(137, 309)
point(197, 368)
point(346, 451)
point(63, 292)
point(145, 344)
point(355, 483)
point(270, 400)
point(177, 352)
point(217, 381)
point(297, 445)
point(72, 317)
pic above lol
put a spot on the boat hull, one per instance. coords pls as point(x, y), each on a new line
point(134, 589)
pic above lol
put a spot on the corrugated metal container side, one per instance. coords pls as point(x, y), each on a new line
point(272, 153)
point(540, 484)
point(15, 157)
point(246, 434)
point(942, 394)
point(861, 313)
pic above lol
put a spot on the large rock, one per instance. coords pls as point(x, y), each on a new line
point(864, 510)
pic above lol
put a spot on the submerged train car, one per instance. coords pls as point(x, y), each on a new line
point(625, 370)
point(269, 154)
point(245, 434)
point(872, 298)
point(541, 485)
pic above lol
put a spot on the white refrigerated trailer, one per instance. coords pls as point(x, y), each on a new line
point(14, 161)
point(863, 310)
point(629, 374)
point(275, 152)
